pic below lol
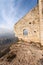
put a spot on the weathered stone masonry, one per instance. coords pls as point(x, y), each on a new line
point(41, 20)
point(32, 22)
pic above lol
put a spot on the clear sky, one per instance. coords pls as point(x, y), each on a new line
point(12, 10)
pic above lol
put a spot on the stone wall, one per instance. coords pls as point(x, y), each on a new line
point(41, 20)
point(31, 23)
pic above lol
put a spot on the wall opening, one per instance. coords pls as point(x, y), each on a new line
point(25, 32)
point(34, 31)
point(29, 22)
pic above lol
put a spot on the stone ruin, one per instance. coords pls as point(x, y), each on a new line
point(30, 27)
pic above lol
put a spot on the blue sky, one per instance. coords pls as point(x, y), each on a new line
point(12, 10)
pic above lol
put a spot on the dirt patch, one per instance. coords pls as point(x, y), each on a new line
point(4, 52)
point(41, 61)
point(11, 57)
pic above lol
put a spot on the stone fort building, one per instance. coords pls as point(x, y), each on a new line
point(30, 27)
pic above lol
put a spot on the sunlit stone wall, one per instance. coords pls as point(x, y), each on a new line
point(29, 22)
point(33, 23)
point(41, 20)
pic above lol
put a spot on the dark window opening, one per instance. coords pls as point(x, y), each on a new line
point(29, 22)
point(25, 32)
point(35, 31)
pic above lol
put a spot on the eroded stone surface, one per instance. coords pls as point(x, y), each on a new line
point(30, 22)
point(23, 54)
point(33, 23)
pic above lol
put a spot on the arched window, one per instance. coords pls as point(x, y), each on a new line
point(25, 32)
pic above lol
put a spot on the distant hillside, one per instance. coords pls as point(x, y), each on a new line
point(6, 42)
point(7, 38)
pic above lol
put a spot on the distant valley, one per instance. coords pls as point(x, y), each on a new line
point(6, 39)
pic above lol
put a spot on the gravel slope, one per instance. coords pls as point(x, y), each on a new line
point(23, 54)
